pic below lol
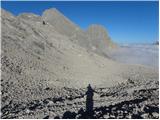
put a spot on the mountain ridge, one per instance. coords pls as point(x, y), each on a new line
point(44, 70)
point(76, 33)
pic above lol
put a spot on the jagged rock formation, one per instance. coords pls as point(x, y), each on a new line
point(66, 27)
point(45, 72)
point(95, 38)
point(99, 40)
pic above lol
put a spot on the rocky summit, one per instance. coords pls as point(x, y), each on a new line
point(95, 36)
point(48, 62)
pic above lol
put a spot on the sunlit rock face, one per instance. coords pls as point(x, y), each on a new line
point(66, 27)
point(95, 38)
point(100, 42)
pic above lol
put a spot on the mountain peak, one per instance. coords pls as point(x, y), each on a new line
point(95, 37)
point(59, 21)
point(51, 11)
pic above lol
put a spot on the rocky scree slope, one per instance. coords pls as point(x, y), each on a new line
point(41, 64)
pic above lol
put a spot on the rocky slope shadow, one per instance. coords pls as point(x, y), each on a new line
point(126, 100)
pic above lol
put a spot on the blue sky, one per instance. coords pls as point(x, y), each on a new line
point(125, 21)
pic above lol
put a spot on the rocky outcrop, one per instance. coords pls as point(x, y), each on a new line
point(95, 38)
point(66, 27)
point(99, 40)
